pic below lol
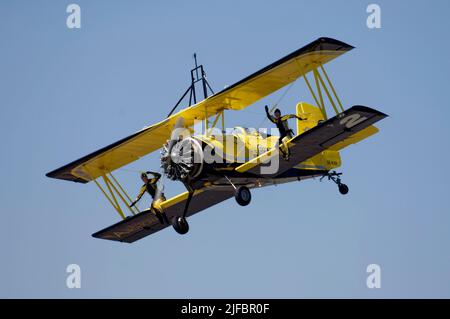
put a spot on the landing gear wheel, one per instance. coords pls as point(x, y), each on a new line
point(180, 225)
point(343, 189)
point(243, 195)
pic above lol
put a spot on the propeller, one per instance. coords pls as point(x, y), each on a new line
point(182, 155)
point(175, 134)
point(177, 129)
point(181, 159)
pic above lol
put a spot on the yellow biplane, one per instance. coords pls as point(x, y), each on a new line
point(216, 164)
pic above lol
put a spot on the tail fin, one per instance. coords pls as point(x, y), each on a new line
point(312, 115)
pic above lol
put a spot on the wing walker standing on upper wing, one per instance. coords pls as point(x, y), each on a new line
point(243, 159)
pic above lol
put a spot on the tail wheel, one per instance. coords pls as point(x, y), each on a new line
point(180, 225)
point(243, 195)
point(343, 189)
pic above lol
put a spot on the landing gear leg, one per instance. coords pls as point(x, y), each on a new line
point(180, 223)
point(336, 178)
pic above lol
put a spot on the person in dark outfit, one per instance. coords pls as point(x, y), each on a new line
point(283, 128)
point(150, 186)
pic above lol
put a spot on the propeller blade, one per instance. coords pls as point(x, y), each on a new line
point(177, 129)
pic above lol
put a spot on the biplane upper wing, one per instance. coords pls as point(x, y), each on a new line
point(275, 76)
point(325, 135)
point(235, 97)
point(115, 155)
point(146, 223)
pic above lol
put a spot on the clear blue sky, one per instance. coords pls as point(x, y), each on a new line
point(65, 93)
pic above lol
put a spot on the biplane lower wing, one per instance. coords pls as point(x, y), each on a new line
point(146, 223)
point(323, 136)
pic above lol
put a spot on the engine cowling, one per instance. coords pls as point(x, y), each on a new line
point(183, 159)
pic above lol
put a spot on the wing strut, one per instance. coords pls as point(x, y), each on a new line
point(327, 87)
point(114, 192)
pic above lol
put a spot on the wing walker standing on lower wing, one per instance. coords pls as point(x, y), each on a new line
point(217, 164)
point(150, 186)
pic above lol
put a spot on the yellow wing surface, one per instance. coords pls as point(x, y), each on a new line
point(235, 97)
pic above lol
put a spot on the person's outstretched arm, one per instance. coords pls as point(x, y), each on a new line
point(292, 116)
point(270, 117)
point(141, 193)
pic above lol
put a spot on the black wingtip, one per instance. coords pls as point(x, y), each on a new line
point(337, 43)
point(369, 109)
